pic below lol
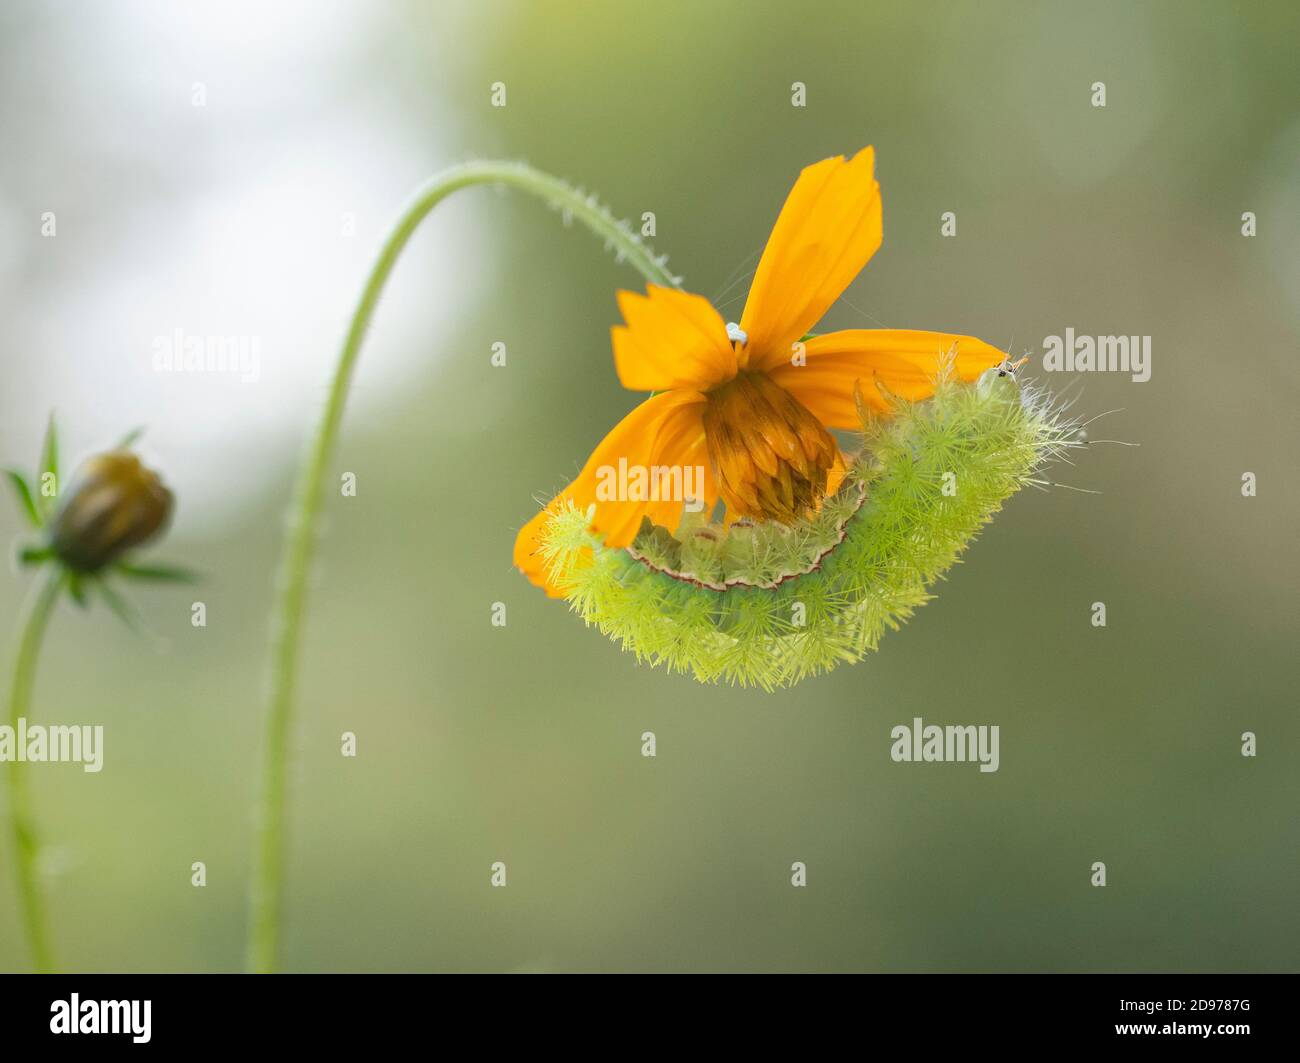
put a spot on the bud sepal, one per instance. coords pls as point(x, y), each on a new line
point(114, 506)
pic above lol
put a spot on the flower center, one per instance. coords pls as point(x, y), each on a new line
point(771, 455)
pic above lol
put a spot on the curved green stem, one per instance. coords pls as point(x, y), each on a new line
point(291, 589)
point(33, 622)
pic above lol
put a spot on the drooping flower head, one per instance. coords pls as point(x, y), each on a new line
point(752, 403)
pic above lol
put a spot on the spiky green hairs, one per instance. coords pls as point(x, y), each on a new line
point(766, 605)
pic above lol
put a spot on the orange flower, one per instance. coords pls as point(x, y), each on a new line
point(751, 404)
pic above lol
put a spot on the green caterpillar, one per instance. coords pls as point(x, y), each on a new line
point(768, 605)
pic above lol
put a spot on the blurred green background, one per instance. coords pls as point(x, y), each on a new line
point(256, 214)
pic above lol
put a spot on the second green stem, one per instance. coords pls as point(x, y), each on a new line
point(291, 588)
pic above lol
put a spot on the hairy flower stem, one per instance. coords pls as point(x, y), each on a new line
point(291, 587)
point(33, 622)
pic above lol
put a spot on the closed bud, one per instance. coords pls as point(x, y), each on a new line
point(113, 504)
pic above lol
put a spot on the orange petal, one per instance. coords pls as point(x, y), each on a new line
point(666, 430)
point(828, 229)
point(835, 474)
point(904, 362)
point(672, 339)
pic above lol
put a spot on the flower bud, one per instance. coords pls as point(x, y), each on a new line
point(113, 504)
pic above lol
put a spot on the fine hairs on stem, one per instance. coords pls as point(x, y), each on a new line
point(291, 585)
